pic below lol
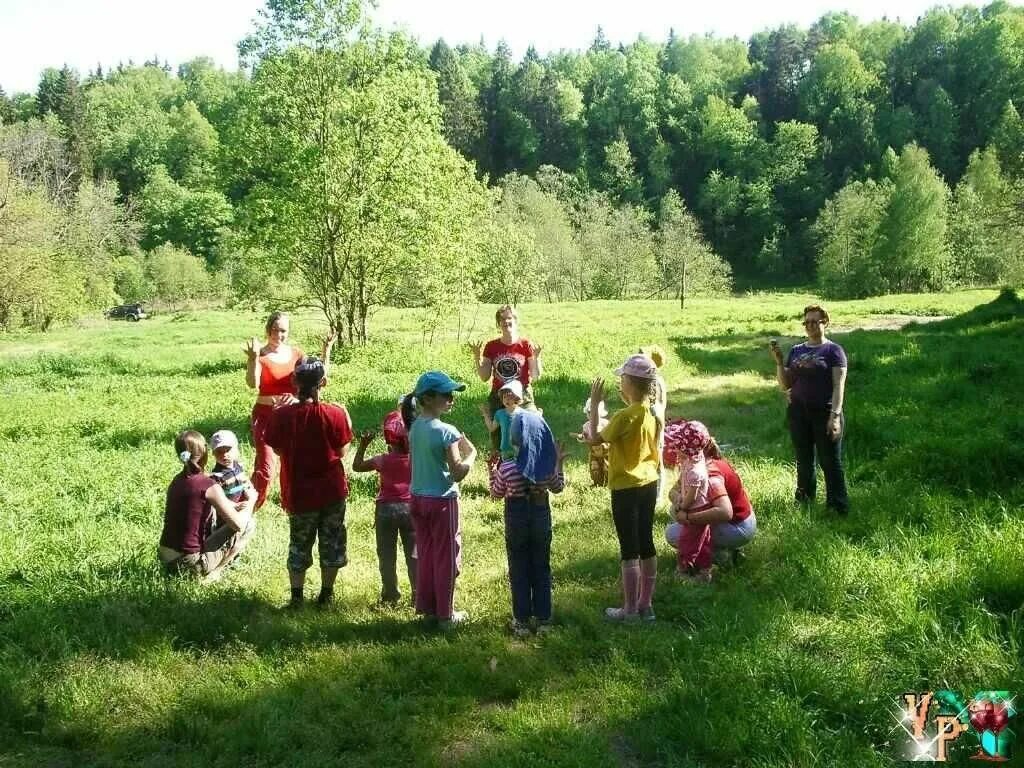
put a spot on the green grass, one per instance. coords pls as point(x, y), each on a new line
point(793, 659)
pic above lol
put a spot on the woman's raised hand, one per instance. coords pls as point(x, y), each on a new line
point(597, 392)
point(476, 347)
point(537, 349)
point(252, 347)
point(775, 351)
point(329, 338)
point(366, 436)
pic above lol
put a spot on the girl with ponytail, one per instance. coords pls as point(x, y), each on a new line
point(203, 529)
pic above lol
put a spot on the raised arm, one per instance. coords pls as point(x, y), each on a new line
point(596, 398)
point(483, 364)
point(782, 374)
point(252, 367)
point(326, 348)
point(536, 366)
point(489, 422)
point(359, 462)
point(237, 516)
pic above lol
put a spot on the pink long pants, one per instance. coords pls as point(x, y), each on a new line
point(438, 554)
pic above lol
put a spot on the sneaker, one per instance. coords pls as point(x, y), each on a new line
point(295, 604)
point(458, 618)
point(619, 614)
point(647, 614)
point(324, 600)
point(545, 628)
point(519, 629)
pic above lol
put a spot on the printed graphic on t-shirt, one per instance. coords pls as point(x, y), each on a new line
point(507, 367)
point(809, 360)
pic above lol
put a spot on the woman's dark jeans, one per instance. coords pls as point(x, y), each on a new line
point(808, 426)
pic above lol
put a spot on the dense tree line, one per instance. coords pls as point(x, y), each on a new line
point(871, 157)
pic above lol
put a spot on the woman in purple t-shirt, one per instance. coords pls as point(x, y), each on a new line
point(814, 377)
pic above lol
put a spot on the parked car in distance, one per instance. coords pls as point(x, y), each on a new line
point(130, 312)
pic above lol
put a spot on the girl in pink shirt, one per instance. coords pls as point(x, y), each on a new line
point(684, 445)
point(392, 518)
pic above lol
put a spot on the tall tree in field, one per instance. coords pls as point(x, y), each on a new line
point(989, 71)
point(912, 236)
point(1008, 141)
point(351, 183)
point(847, 229)
point(50, 92)
point(686, 261)
point(460, 111)
point(779, 58)
point(984, 237)
point(836, 96)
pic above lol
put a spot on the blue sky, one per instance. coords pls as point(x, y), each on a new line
point(35, 34)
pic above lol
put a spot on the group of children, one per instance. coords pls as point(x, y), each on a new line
point(426, 458)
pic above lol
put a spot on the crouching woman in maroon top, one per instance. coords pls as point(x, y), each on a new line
point(312, 438)
point(203, 529)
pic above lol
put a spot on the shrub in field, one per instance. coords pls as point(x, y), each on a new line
point(369, 195)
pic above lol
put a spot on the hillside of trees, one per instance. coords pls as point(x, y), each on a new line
point(350, 168)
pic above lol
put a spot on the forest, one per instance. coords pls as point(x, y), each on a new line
point(347, 168)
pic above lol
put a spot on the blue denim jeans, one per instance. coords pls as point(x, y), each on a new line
point(528, 544)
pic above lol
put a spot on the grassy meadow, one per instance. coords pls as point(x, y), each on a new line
point(793, 658)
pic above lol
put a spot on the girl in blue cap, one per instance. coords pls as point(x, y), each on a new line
point(441, 457)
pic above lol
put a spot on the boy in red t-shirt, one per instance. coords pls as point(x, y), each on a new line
point(312, 438)
point(508, 358)
point(392, 518)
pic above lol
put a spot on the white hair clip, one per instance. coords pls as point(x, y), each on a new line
point(184, 456)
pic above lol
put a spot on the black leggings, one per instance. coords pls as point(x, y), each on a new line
point(633, 512)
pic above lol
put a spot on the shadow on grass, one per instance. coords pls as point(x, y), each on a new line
point(722, 665)
point(910, 394)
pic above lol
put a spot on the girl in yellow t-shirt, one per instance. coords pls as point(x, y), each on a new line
point(634, 465)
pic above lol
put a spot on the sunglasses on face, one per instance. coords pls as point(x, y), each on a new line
point(449, 396)
point(808, 323)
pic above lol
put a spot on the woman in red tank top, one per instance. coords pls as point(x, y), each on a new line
point(269, 372)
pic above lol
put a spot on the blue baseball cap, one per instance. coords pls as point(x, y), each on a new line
point(436, 381)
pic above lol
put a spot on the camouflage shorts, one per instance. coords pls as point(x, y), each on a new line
point(327, 527)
